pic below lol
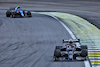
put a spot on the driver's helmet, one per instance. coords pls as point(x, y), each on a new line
point(70, 41)
point(18, 6)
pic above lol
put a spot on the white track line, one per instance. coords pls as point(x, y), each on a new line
point(87, 64)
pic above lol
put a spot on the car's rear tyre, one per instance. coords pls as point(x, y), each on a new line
point(84, 53)
point(57, 53)
point(8, 13)
point(29, 14)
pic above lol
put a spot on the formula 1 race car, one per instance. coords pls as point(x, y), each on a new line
point(71, 50)
point(17, 14)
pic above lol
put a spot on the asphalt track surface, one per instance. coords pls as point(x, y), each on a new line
point(30, 42)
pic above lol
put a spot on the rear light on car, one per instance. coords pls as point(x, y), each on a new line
point(68, 46)
point(71, 46)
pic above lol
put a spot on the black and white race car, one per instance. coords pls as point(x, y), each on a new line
point(72, 49)
point(16, 14)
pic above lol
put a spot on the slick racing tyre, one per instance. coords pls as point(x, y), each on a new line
point(57, 53)
point(84, 53)
point(8, 13)
point(29, 14)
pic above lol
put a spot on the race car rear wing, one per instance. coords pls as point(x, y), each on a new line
point(75, 40)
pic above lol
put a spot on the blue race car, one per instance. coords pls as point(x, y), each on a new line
point(17, 13)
